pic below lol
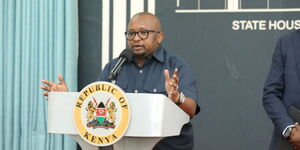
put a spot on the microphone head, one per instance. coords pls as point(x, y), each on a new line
point(127, 54)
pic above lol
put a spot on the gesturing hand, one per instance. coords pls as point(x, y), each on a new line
point(171, 85)
point(54, 87)
point(295, 137)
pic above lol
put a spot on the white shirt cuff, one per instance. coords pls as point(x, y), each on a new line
point(290, 126)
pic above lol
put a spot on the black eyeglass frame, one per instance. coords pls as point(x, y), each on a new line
point(139, 34)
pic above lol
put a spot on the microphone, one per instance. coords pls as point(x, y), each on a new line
point(125, 56)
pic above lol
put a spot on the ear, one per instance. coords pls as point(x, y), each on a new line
point(161, 36)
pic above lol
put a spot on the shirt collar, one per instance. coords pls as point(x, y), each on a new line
point(159, 54)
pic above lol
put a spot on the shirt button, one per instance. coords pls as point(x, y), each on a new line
point(135, 91)
point(141, 71)
point(154, 90)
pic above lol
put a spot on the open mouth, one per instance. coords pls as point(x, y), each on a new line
point(137, 47)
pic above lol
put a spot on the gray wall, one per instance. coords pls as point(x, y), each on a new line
point(230, 65)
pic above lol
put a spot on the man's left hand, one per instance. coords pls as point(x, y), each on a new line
point(295, 137)
point(171, 85)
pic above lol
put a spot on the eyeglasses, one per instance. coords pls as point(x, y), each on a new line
point(142, 34)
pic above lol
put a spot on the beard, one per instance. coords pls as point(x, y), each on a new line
point(141, 52)
point(142, 55)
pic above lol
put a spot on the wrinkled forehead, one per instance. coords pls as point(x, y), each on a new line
point(143, 22)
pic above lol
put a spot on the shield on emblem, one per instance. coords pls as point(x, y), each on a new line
point(101, 113)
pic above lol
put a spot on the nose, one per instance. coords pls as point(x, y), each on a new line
point(136, 37)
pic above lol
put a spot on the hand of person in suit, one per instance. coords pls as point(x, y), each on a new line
point(54, 87)
point(171, 85)
point(295, 137)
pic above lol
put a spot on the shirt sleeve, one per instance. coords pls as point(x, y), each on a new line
point(104, 73)
point(188, 84)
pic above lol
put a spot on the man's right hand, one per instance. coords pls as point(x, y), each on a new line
point(54, 87)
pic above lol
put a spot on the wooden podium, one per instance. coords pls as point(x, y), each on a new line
point(153, 117)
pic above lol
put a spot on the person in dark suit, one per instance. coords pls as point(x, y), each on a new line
point(282, 92)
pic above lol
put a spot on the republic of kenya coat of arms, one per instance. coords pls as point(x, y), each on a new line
point(100, 115)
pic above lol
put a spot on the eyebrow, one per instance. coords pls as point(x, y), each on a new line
point(143, 28)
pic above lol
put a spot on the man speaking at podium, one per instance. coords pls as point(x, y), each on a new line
point(153, 69)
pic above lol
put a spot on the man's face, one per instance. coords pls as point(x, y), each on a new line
point(143, 47)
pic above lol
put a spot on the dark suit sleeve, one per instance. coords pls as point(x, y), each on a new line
point(274, 91)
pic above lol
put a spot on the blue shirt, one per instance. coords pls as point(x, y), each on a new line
point(149, 78)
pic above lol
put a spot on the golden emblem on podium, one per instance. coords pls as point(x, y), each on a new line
point(101, 113)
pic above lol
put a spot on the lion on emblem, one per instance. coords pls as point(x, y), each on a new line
point(91, 109)
point(111, 109)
